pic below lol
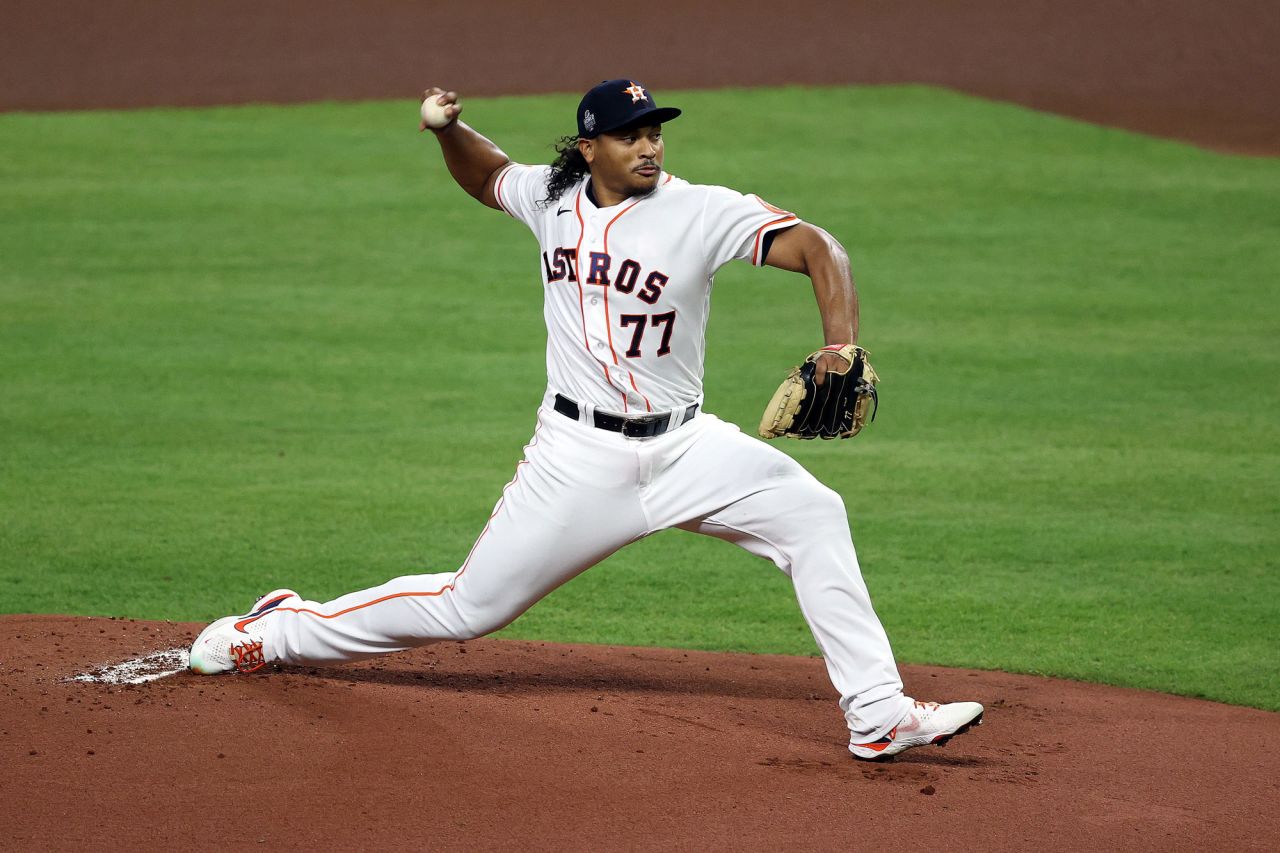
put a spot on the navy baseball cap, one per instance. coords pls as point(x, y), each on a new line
point(615, 104)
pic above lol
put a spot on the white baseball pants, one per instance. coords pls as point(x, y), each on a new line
point(582, 493)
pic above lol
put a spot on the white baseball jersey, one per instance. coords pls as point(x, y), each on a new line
point(628, 287)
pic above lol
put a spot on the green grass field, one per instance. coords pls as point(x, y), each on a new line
point(257, 346)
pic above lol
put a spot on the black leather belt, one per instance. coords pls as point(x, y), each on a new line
point(644, 426)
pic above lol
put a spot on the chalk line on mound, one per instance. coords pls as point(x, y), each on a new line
point(138, 670)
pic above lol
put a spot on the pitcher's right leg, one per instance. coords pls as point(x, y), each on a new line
point(571, 504)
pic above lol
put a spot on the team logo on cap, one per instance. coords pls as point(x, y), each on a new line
point(589, 121)
point(636, 92)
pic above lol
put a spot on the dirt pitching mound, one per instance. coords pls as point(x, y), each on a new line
point(536, 746)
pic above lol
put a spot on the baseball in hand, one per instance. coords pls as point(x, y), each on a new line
point(434, 115)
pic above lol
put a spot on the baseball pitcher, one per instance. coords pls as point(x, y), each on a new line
point(623, 447)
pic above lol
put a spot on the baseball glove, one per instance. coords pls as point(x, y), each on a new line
point(838, 408)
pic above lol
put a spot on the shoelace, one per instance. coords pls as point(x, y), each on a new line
point(248, 656)
point(926, 706)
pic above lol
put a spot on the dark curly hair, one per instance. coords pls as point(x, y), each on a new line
point(566, 170)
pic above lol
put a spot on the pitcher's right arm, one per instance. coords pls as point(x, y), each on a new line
point(473, 161)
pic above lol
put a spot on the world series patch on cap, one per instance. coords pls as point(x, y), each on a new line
point(616, 104)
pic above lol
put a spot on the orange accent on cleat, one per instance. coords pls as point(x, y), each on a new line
point(883, 743)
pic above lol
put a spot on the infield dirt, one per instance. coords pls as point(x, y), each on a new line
point(499, 745)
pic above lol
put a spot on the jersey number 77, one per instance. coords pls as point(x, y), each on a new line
point(666, 320)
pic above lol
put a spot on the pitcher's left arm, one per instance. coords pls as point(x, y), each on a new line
point(811, 251)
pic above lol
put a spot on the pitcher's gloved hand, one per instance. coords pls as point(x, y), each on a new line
point(838, 408)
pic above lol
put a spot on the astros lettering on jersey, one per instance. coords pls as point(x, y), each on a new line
point(628, 335)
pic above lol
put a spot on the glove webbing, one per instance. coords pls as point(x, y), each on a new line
point(829, 413)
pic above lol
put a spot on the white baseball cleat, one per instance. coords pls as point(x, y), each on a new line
point(232, 643)
point(925, 723)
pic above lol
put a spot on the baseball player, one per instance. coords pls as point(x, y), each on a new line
point(622, 446)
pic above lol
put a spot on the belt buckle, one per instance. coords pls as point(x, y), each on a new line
point(645, 427)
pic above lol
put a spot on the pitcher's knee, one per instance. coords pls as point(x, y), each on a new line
point(814, 503)
point(474, 629)
point(472, 624)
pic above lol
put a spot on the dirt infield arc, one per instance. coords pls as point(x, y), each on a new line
point(498, 745)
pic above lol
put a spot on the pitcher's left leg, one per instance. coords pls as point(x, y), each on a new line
point(736, 488)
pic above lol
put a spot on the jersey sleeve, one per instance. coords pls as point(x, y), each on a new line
point(520, 190)
point(734, 226)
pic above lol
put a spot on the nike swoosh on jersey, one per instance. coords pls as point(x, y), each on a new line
point(558, 212)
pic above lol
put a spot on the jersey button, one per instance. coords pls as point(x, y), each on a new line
point(595, 300)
